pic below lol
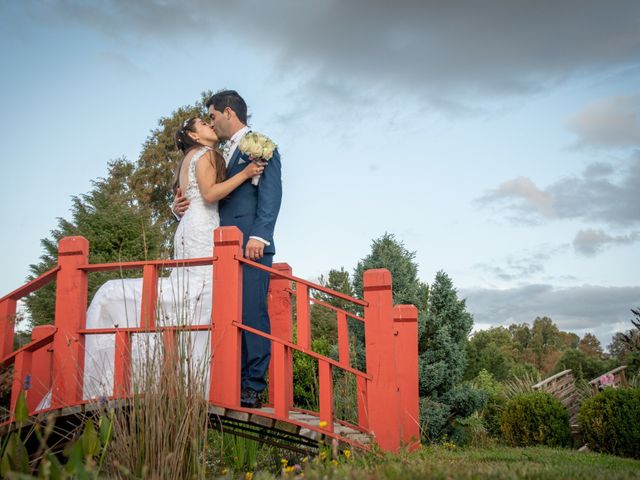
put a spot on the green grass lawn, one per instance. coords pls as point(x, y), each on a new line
point(471, 463)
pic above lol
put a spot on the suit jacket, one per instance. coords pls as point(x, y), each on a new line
point(254, 209)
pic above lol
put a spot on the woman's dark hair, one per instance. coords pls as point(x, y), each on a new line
point(231, 99)
point(185, 144)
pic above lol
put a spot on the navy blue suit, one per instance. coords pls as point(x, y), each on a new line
point(254, 210)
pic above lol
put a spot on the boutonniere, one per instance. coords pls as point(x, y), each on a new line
point(259, 147)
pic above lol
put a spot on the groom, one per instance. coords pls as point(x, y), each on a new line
point(254, 210)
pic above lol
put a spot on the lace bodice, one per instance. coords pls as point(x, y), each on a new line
point(194, 236)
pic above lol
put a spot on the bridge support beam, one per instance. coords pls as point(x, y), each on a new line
point(70, 316)
point(383, 398)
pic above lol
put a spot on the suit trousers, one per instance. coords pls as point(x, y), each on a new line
point(256, 351)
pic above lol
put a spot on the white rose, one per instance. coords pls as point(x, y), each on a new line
point(255, 150)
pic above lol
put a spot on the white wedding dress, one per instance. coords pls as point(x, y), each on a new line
point(184, 297)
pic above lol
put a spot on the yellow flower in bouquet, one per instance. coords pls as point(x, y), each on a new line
point(259, 147)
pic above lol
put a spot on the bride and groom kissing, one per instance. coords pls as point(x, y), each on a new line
point(213, 189)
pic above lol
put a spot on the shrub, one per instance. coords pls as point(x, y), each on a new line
point(610, 421)
point(535, 419)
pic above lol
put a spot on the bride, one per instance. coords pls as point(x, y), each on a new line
point(184, 297)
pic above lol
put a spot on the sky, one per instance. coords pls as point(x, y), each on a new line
point(498, 140)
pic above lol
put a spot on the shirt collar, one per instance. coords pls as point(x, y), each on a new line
point(235, 138)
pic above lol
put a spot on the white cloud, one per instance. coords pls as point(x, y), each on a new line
point(609, 122)
point(600, 194)
point(590, 242)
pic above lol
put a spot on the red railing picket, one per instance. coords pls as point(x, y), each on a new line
point(122, 365)
point(41, 367)
point(406, 326)
point(303, 322)
point(344, 353)
point(70, 316)
point(382, 392)
point(361, 389)
point(281, 380)
point(21, 370)
point(325, 377)
point(224, 388)
point(149, 297)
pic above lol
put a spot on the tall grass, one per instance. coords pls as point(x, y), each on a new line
point(162, 432)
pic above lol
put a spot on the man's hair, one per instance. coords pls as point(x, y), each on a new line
point(231, 99)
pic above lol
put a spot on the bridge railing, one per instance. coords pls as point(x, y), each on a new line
point(387, 391)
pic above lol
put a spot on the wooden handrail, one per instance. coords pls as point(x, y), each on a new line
point(29, 347)
point(182, 262)
point(596, 380)
point(33, 285)
point(311, 353)
point(550, 379)
point(335, 309)
point(320, 288)
point(157, 329)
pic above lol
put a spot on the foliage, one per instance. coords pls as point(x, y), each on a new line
point(493, 351)
point(496, 399)
point(610, 421)
point(153, 176)
point(590, 345)
point(442, 365)
point(305, 375)
point(85, 452)
point(535, 418)
point(323, 319)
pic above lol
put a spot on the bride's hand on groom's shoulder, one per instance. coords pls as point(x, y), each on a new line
point(180, 203)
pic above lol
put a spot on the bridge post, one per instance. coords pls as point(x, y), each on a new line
point(406, 330)
point(7, 324)
point(226, 338)
point(70, 316)
point(281, 318)
point(382, 390)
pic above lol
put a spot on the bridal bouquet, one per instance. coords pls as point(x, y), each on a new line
point(259, 147)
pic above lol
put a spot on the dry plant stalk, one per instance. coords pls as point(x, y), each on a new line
point(162, 433)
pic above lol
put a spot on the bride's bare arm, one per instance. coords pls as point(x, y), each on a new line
point(206, 177)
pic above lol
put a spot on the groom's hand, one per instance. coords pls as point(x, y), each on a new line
point(180, 204)
point(254, 250)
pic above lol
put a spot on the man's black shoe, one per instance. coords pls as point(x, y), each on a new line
point(249, 398)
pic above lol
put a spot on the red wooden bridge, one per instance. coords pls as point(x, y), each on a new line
point(387, 391)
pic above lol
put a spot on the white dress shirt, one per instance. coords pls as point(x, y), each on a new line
point(228, 150)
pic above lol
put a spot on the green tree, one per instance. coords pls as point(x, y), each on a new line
point(591, 346)
point(152, 178)
point(492, 350)
point(117, 226)
point(323, 319)
point(582, 365)
point(443, 363)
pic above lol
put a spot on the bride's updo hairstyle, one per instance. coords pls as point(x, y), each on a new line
point(184, 142)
